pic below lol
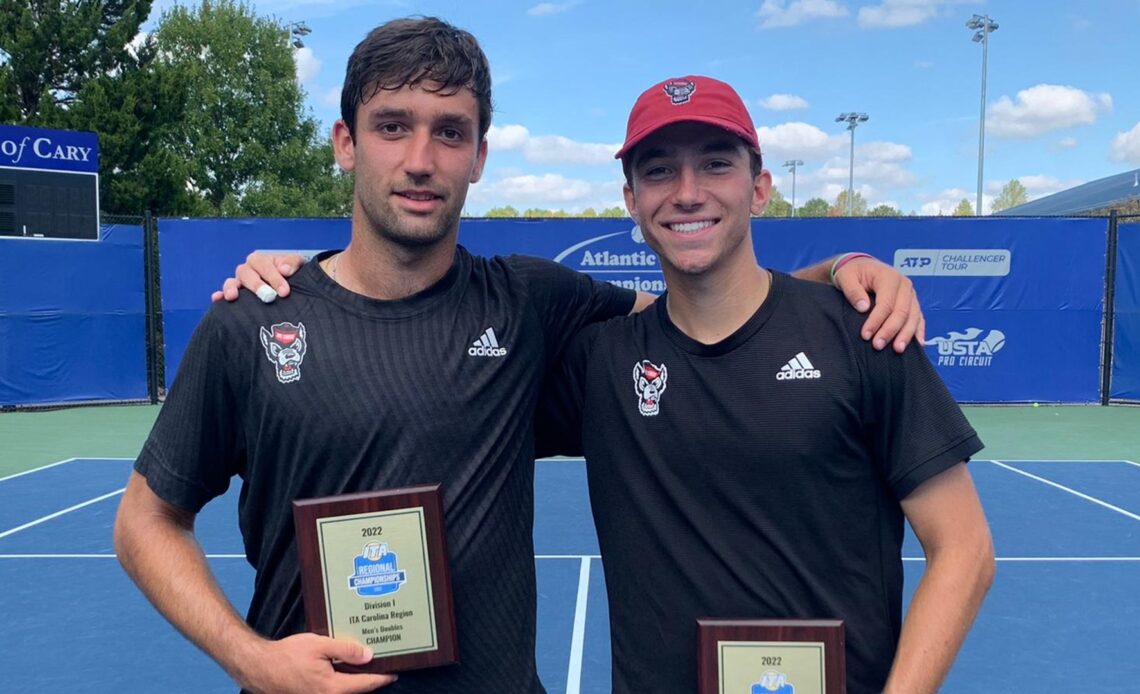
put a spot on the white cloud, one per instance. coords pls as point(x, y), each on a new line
point(827, 168)
point(307, 64)
point(507, 137)
point(1037, 186)
point(545, 8)
point(903, 13)
point(1043, 108)
point(799, 140)
point(946, 201)
point(137, 42)
point(1126, 146)
point(779, 13)
point(550, 149)
point(885, 152)
point(783, 102)
point(1067, 143)
point(331, 97)
point(548, 191)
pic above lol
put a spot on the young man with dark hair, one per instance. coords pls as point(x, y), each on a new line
point(363, 380)
point(746, 458)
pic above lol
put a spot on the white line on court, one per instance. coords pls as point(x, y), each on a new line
point(1131, 463)
point(51, 465)
point(574, 674)
point(1074, 492)
point(1063, 460)
point(42, 467)
point(567, 556)
point(76, 507)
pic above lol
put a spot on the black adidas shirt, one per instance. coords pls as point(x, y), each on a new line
point(759, 477)
point(328, 392)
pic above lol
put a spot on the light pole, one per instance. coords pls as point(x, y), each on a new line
point(792, 164)
point(982, 26)
point(296, 31)
point(852, 119)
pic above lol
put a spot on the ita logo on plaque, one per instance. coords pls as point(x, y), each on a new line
point(374, 570)
point(771, 656)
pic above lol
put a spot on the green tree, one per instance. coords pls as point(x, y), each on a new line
point(816, 207)
point(964, 209)
point(588, 213)
point(135, 112)
point(883, 211)
point(316, 188)
point(1012, 194)
point(245, 133)
point(613, 212)
point(53, 48)
point(507, 211)
point(839, 209)
point(777, 205)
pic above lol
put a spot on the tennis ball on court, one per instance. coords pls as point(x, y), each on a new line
point(1037, 404)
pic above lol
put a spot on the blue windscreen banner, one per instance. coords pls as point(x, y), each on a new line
point(197, 255)
point(1126, 327)
point(1014, 306)
point(72, 319)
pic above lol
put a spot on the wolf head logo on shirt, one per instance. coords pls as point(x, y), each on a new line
point(649, 382)
point(285, 346)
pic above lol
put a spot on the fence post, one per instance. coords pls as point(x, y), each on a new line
point(150, 258)
point(1109, 309)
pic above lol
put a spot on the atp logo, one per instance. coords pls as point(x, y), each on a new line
point(965, 349)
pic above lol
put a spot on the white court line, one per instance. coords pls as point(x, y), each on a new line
point(51, 465)
point(1074, 492)
point(567, 556)
point(1064, 460)
point(25, 526)
point(1131, 463)
point(574, 675)
point(42, 467)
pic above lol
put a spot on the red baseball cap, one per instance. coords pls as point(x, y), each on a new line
point(691, 98)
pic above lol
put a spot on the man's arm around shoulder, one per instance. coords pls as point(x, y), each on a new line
point(156, 545)
point(948, 520)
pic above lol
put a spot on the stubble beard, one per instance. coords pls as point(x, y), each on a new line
point(416, 233)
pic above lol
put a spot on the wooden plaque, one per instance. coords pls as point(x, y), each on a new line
point(771, 656)
point(374, 570)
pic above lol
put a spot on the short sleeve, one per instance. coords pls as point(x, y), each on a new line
point(558, 420)
point(916, 428)
point(567, 300)
point(195, 446)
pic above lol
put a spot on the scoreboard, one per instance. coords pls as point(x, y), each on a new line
point(49, 183)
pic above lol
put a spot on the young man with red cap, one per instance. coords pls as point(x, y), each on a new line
point(746, 458)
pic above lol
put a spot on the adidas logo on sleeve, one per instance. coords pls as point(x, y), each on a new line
point(798, 367)
point(487, 346)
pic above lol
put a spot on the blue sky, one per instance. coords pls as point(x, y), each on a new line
point(1061, 108)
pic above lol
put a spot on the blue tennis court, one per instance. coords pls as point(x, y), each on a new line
point(1062, 612)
